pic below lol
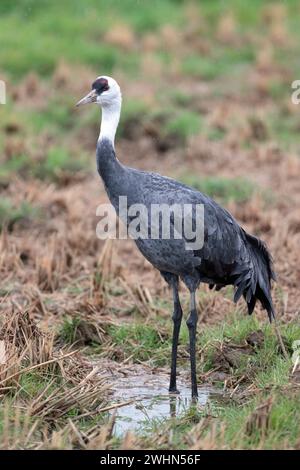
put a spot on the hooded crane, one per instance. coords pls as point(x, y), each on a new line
point(229, 255)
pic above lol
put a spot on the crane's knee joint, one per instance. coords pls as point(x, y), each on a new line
point(177, 315)
point(192, 320)
point(191, 324)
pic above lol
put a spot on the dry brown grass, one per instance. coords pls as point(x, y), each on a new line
point(42, 384)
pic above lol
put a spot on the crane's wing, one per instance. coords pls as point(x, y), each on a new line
point(224, 252)
point(229, 255)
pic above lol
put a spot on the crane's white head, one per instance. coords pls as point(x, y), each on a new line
point(105, 91)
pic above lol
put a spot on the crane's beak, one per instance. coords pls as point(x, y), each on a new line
point(90, 98)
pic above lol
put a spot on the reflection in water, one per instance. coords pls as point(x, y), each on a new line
point(151, 400)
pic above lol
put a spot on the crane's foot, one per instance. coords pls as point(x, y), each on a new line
point(173, 390)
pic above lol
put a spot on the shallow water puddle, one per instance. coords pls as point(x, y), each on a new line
point(147, 391)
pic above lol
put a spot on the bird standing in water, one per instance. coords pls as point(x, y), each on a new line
point(228, 255)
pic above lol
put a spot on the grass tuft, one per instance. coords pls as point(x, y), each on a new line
point(10, 214)
point(221, 189)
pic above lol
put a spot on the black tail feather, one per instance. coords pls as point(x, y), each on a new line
point(256, 284)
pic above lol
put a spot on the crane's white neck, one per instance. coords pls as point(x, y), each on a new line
point(110, 120)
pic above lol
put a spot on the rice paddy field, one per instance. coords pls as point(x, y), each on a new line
point(85, 324)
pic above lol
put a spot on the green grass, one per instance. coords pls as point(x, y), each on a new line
point(200, 67)
point(133, 112)
point(265, 369)
point(35, 387)
point(231, 424)
point(45, 36)
point(33, 383)
point(219, 64)
point(221, 189)
point(283, 427)
point(55, 162)
point(179, 98)
point(142, 342)
point(16, 164)
point(216, 134)
point(168, 122)
point(11, 214)
point(68, 330)
point(56, 29)
point(284, 129)
point(14, 424)
point(59, 160)
point(183, 124)
point(58, 117)
point(80, 331)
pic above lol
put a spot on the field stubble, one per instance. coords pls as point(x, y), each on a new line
point(76, 311)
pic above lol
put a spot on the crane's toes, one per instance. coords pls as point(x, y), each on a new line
point(173, 390)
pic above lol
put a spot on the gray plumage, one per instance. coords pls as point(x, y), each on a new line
point(229, 256)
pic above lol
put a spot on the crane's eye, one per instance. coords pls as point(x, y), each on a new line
point(100, 85)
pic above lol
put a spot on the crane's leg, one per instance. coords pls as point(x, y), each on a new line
point(192, 325)
point(177, 316)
